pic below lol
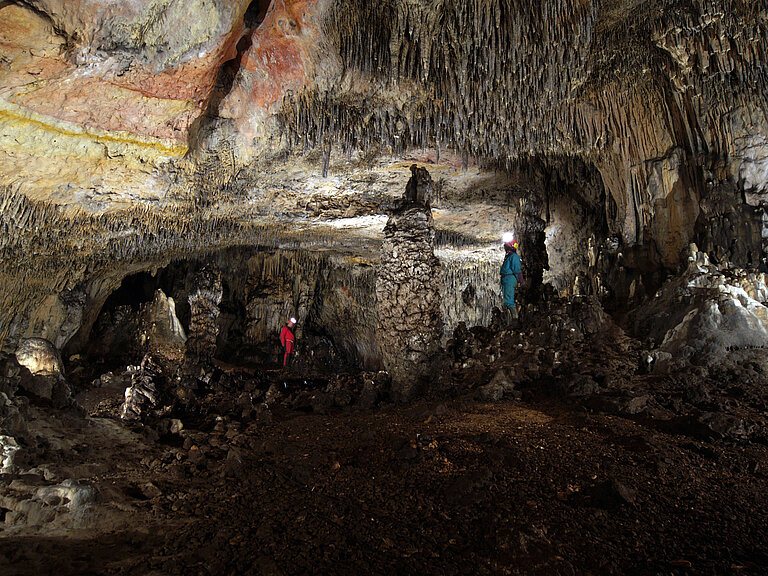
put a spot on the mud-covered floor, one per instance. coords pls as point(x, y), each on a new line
point(456, 487)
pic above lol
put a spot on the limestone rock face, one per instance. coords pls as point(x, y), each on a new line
point(132, 132)
point(700, 316)
point(94, 96)
point(149, 65)
point(408, 289)
point(40, 357)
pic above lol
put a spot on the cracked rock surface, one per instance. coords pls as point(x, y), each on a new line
point(408, 288)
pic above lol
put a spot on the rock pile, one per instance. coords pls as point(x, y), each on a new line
point(694, 365)
point(700, 316)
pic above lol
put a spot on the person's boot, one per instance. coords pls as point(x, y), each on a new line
point(510, 317)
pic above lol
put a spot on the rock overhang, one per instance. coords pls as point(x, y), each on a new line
point(617, 118)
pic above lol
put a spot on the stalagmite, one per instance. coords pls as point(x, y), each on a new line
point(409, 288)
point(203, 327)
point(142, 395)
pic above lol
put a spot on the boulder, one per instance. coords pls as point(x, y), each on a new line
point(581, 386)
point(274, 393)
point(42, 375)
point(611, 494)
point(40, 357)
point(719, 425)
point(69, 503)
point(728, 320)
point(12, 417)
point(46, 388)
point(490, 393)
point(234, 466)
point(499, 386)
point(8, 449)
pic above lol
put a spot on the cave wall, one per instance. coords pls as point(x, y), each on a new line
point(135, 133)
point(331, 296)
point(150, 65)
point(97, 97)
point(471, 289)
point(345, 309)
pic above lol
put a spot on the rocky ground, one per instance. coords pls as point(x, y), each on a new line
point(569, 443)
point(452, 487)
point(545, 484)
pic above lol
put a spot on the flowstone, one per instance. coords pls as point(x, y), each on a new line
point(701, 315)
point(40, 357)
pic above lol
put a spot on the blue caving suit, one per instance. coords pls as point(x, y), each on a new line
point(510, 269)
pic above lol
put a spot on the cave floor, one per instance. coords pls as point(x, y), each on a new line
point(456, 487)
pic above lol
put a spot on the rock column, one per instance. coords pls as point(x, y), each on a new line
point(533, 250)
point(203, 326)
point(408, 289)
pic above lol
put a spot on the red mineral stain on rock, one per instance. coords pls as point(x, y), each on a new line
point(277, 58)
point(104, 96)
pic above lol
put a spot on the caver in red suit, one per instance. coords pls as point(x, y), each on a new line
point(287, 339)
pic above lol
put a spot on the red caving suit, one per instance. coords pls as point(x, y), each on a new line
point(287, 340)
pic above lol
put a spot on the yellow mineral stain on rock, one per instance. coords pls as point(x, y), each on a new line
point(359, 260)
point(117, 143)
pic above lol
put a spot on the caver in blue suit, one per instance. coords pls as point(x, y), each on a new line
point(511, 270)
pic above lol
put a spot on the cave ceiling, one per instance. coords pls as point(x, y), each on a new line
point(132, 132)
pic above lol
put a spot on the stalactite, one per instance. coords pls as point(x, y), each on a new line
point(499, 79)
point(491, 80)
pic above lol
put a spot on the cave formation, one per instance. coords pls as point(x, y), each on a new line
point(177, 179)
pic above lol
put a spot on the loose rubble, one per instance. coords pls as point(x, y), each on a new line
point(557, 425)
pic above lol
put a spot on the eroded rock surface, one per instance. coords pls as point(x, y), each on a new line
point(204, 314)
point(40, 357)
point(408, 288)
point(133, 132)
